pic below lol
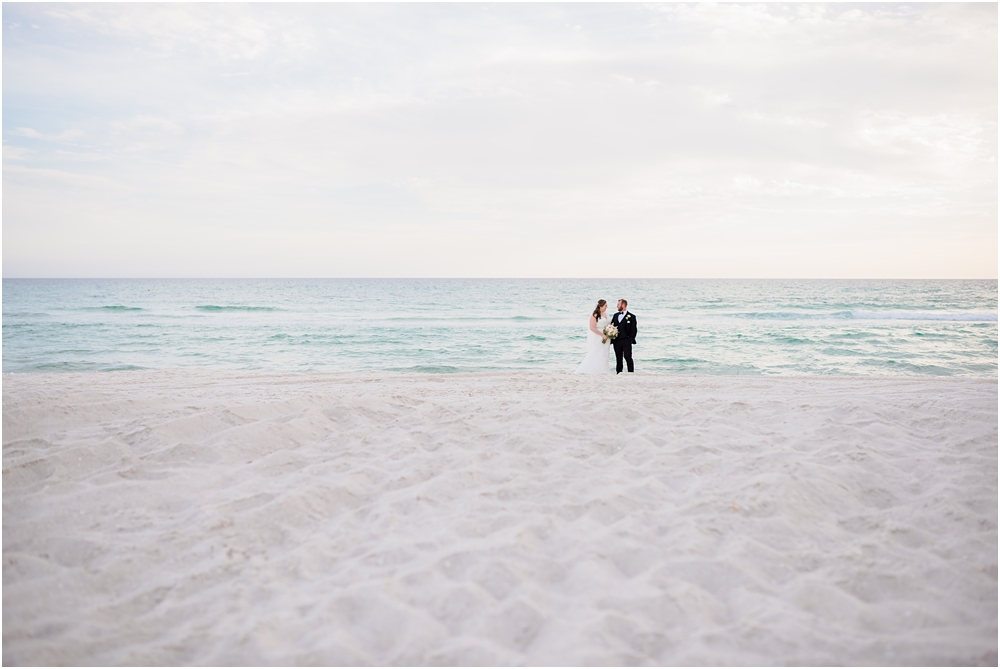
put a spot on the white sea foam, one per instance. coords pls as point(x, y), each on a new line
point(899, 315)
point(894, 315)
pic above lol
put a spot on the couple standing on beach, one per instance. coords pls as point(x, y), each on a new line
point(603, 333)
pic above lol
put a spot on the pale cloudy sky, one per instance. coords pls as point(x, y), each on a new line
point(546, 140)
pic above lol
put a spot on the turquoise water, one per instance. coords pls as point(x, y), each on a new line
point(946, 328)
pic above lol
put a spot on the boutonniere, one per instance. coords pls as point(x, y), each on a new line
point(628, 318)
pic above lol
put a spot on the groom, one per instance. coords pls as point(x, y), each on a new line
point(624, 320)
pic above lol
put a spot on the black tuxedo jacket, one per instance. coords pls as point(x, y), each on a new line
point(626, 328)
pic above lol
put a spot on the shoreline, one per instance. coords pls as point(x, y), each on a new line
point(193, 516)
point(496, 372)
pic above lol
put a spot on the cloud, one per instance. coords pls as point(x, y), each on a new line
point(226, 33)
point(712, 98)
point(14, 153)
point(943, 134)
point(445, 134)
point(64, 136)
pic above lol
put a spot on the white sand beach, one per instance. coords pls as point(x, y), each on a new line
point(201, 517)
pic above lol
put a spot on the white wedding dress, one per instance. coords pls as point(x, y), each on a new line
point(596, 360)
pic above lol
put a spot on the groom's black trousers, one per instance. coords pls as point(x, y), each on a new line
point(623, 350)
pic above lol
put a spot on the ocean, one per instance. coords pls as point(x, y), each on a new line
point(761, 327)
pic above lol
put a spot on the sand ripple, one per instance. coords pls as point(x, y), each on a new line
point(194, 517)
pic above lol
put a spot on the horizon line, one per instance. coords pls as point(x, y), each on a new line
point(480, 278)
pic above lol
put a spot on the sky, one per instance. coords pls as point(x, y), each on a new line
point(500, 140)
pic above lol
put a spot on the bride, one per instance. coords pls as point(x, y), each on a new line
point(596, 360)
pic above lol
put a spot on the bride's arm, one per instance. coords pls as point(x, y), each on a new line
point(593, 326)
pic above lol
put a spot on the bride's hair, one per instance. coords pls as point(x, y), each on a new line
point(597, 311)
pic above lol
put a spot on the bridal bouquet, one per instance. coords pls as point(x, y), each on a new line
point(610, 332)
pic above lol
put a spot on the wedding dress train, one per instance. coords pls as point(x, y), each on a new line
point(596, 361)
